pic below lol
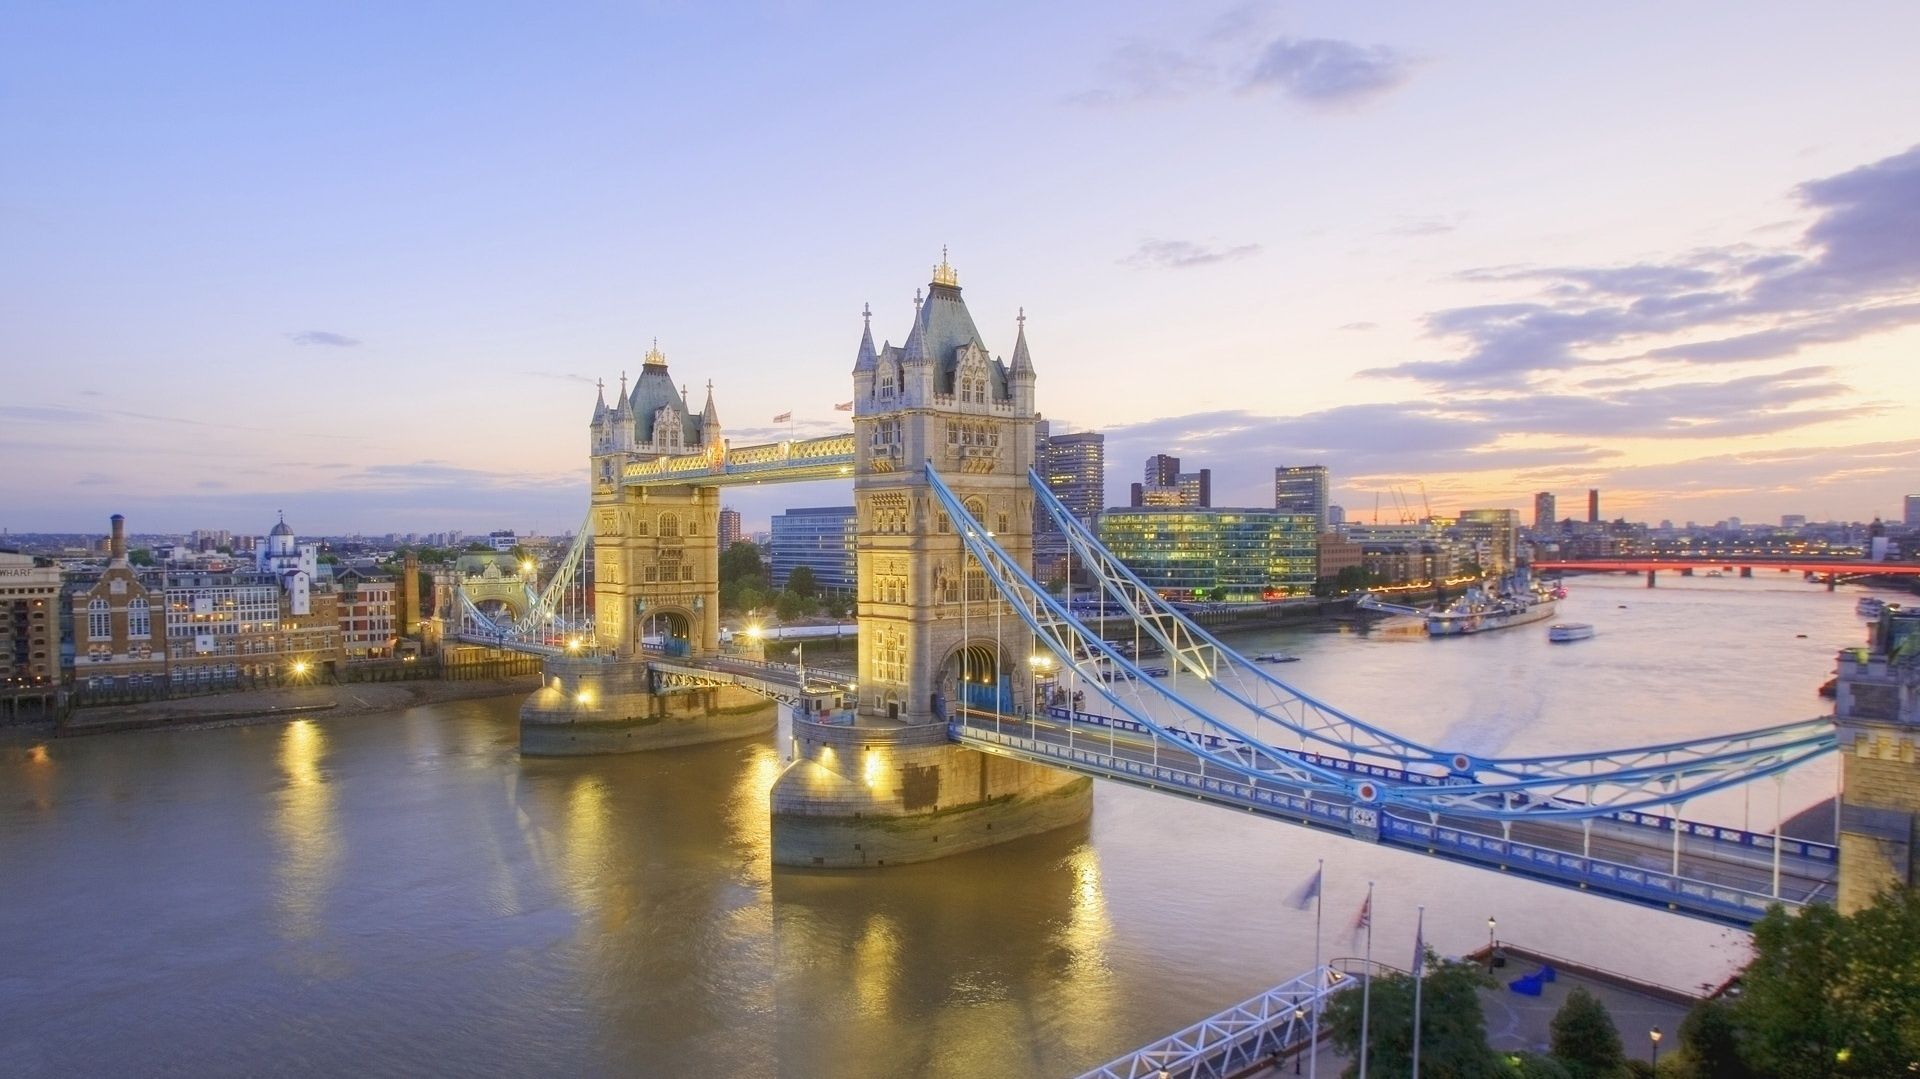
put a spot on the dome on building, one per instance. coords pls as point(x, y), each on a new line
point(282, 528)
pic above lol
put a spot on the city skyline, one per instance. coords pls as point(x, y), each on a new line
point(249, 275)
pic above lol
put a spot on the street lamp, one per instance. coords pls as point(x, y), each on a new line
point(1299, 1017)
point(1654, 1036)
point(1490, 925)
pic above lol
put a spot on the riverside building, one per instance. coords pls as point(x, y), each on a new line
point(820, 538)
point(29, 630)
point(1216, 555)
point(1302, 489)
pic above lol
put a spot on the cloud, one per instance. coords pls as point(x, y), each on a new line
point(1327, 71)
point(323, 337)
point(1360, 326)
point(1184, 254)
point(1425, 226)
point(1853, 271)
point(48, 414)
point(1239, 50)
point(563, 376)
point(1139, 71)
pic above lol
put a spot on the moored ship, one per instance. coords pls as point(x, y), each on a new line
point(1514, 601)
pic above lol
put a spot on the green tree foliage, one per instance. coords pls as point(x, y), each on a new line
point(1585, 1039)
point(790, 606)
point(140, 556)
point(800, 582)
point(1833, 996)
point(743, 579)
point(1708, 1046)
point(1453, 1031)
point(1535, 1066)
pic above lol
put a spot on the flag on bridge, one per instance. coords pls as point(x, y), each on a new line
point(1310, 891)
point(784, 417)
point(1365, 919)
point(845, 406)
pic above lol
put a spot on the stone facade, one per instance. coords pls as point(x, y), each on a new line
point(656, 553)
point(604, 704)
point(1877, 710)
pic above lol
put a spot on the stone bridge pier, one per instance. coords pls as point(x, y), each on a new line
point(1877, 710)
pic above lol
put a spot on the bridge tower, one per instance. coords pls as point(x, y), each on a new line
point(1877, 710)
point(934, 633)
point(932, 630)
point(656, 557)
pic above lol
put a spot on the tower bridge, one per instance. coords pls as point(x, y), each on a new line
point(949, 739)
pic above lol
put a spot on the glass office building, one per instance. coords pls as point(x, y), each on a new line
point(820, 538)
point(1216, 555)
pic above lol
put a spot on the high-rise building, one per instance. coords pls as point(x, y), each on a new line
point(1217, 555)
point(29, 628)
point(1075, 467)
point(1913, 511)
point(1593, 505)
point(820, 538)
point(1196, 488)
point(730, 523)
point(1793, 520)
point(1492, 536)
point(1302, 489)
point(1336, 516)
point(1163, 470)
point(1544, 514)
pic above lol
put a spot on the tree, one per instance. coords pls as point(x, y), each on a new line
point(1535, 1066)
point(1585, 1039)
point(789, 605)
point(800, 582)
point(1709, 1045)
point(476, 547)
point(1453, 1030)
point(1791, 1013)
point(140, 556)
point(741, 563)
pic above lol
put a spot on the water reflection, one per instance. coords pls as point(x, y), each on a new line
point(309, 846)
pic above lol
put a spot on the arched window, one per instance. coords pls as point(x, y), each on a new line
point(99, 620)
point(138, 622)
point(669, 525)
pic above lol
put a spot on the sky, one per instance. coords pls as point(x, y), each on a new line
point(365, 263)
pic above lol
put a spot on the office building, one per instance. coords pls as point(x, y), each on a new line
point(1163, 470)
point(1336, 516)
point(1491, 537)
point(119, 644)
point(1912, 514)
point(820, 538)
point(1302, 489)
point(1793, 520)
point(29, 628)
point(1544, 512)
point(1593, 505)
point(502, 539)
point(368, 612)
point(1075, 468)
point(730, 524)
point(1215, 555)
point(1337, 553)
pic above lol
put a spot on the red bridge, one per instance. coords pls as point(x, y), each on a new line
point(1828, 569)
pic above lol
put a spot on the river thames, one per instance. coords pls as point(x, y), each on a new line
point(402, 895)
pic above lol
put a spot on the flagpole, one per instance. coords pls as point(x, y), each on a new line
point(1366, 985)
point(1419, 976)
point(1319, 976)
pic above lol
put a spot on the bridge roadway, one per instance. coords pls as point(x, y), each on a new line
point(1849, 567)
point(1729, 882)
point(785, 682)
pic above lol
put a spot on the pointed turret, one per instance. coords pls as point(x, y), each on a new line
point(620, 420)
point(1022, 362)
point(916, 346)
point(600, 402)
point(709, 420)
point(868, 356)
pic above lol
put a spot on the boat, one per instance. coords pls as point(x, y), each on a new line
point(1513, 601)
point(1871, 606)
point(1562, 632)
point(1830, 688)
point(1275, 657)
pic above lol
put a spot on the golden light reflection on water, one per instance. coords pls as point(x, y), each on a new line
point(585, 856)
point(876, 966)
point(309, 846)
point(749, 814)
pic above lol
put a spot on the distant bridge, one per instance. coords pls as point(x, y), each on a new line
point(1848, 567)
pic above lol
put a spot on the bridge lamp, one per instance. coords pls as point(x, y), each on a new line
point(527, 566)
point(1490, 924)
point(1654, 1037)
point(299, 666)
point(583, 697)
point(573, 644)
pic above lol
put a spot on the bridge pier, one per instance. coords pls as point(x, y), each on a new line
point(606, 704)
point(876, 795)
point(1833, 581)
point(1746, 571)
point(1686, 571)
point(1650, 576)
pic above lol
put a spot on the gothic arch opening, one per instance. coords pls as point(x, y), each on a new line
point(974, 679)
point(666, 632)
